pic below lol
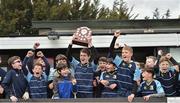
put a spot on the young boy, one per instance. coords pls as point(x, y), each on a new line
point(109, 80)
point(127, 72)
point(168, 77)
point(37, 82)
point(102, 62)
point(28, 63)
point(64, 86)
point(15, 83)
point(150, 87)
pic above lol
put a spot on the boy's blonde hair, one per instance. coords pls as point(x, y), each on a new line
point(151, 57)
point(163, 58)
point(128, 48)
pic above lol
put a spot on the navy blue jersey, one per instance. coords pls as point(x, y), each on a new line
point(84, 77)
point(38, 87)
point(15, 83)
point(168, 82)
point(153, 87)
point(125, 77)
point(112, 79)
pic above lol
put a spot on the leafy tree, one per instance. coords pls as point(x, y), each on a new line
point(103, 13)
point(40, 9)
point(167, 14)
point(120, 11)
point(75, 11)
point(157, 15)
point(15, 16)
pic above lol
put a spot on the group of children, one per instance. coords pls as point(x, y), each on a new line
point(92, 76)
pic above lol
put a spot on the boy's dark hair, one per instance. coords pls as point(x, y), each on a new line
point(61, 57)
point(86, 50)
point(37, 64)
point(61, 66)
point(110, 61)
point(149, 70)
point(12, 59)
point(103, 59)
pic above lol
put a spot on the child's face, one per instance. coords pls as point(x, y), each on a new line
point(84, 58)
point(126, 55)
point(150, 63)
point(65, 72)
point(163, 66)
point(17, 64)
point(110, 67)
point(102, 65)
point(146, 75)
point(37, 70)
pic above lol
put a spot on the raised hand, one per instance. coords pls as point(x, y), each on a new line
point(168, 55)
point(160, 52)
point(29, 53)
point(117, 33)
point(36, 45)
point(40, 54)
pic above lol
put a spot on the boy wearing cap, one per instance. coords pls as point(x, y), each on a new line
point(109, 80)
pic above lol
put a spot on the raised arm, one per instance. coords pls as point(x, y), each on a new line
point(25, 65)
point(94, 52)
point(69, 50)
point(30, 56)
point(47, 65)
point(111, 48)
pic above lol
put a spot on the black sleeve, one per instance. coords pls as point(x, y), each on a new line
point(24, 68)
point(111, 48)
point(173, 61)
point(68, 53)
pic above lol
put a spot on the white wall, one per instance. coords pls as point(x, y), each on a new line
point(175, 53)
point(139, 40)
